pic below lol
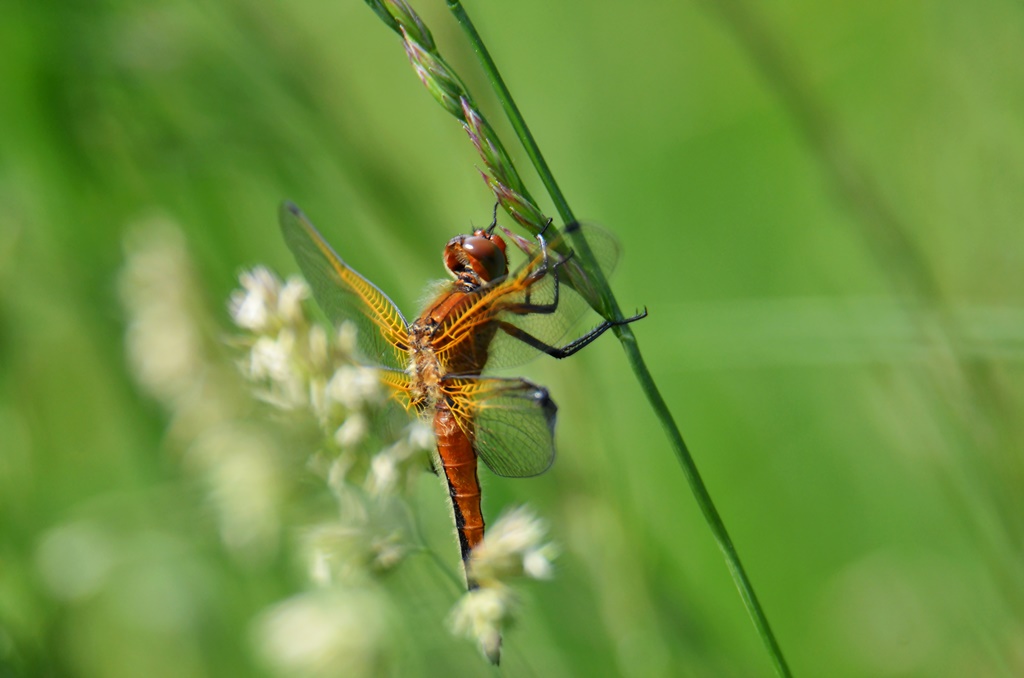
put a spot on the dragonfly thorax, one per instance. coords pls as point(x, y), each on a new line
point(424, 367)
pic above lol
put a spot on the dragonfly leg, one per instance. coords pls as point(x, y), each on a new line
point(573, 346)
point(541, 232)
point(527, 307)
point(494, 218)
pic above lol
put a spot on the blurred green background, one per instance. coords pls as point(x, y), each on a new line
point(819, 204)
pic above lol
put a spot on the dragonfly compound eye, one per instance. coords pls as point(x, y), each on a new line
point(486, 256)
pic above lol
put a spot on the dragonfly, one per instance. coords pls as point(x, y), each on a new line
point(483, 318)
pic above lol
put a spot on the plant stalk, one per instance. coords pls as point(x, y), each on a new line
point(632, 349)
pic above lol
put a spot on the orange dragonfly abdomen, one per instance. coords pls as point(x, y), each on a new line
point(454, 435)
point(458, 459)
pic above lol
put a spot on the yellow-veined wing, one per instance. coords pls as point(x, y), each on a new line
point(510, 421)
point(525, 299)
point(343, 294)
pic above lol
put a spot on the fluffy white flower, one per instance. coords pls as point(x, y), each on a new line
point(255, 306)
point(163, 342)
point(537, 563)
point(243, 478)
point(351, 386)
point(271, 358)
point(352, 431)
point(370, 536)
point(319, 350)
point(480, 615)
point(395, 468)
point(420, 435)
point(164, 351)
point(276, 361)
point(346, 339)
point(289, 301)
point(513, 547)
point(384, 472)
point(323, 633)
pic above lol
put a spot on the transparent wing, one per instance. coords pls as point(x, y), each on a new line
point(343, 294)
point(601, 243)
point(510, 421)
point(524, 299)
point(399, 385)
point(387, 422)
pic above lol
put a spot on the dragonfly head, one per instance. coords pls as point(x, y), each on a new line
point(479, 257)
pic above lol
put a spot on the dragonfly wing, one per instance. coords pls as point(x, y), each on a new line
point(603, 246)
point(510, 421)
point(344, 295)
point(388, 422)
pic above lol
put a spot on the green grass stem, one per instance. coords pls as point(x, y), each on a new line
point(632, 349)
